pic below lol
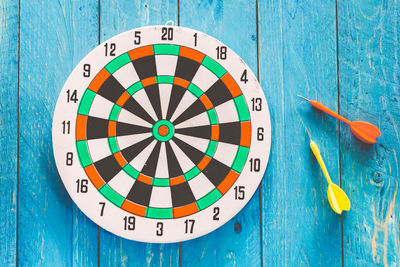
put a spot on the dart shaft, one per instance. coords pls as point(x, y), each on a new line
point(317, 154)
point(321, 107)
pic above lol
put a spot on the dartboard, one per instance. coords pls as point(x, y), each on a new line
point(161, 134)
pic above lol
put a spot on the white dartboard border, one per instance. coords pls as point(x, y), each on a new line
point(145, 228)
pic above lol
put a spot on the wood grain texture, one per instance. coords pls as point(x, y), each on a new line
point(8, 130)
point(54, 37)
point(237, 243)
point(117, 17)
point(298, 56)
point(369, 91)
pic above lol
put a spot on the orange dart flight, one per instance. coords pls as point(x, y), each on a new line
point(364, 131)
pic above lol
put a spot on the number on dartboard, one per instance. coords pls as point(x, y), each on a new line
point(260, 134)
point(239, 192)
point(256, 104)
point(81, 185)
point(221, 52)
point(160, 229)
point(189, 225)
point(195, 39)
point(109, 49)
point(129, 223)
point(72, 97)
point(66, 125)
point(86, 70)
point(137, 37)
point(167, 34)
point(69, 158)
point(255, 165)
point(102, 204)
point(216, 214)
point(243, 78)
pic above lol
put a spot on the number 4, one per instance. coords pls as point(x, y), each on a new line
point(243, 78)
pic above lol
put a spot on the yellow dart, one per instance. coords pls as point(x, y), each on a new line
point(336, 196)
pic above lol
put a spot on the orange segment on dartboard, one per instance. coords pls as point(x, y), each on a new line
point(161, 134)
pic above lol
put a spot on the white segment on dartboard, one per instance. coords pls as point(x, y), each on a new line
point(187, 100)
point(162, 163)
point(142, 98)
point(198, 120)
point(101, 107)
point(145, 228)
point(200, 186)
point(225, 153)
point(121, 183)
point(185, 163)
point(139, 161)
point(126, 75)
point(161, 197)
point(204, 78)
point(125, 141)
point(165, 95)
point(226, 112)
point(130, 118)
point(98, 149)
point(166, 64)
point(196, 142)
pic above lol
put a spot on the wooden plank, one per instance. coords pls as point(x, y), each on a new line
point(237, 243)
point(116, 251)
point(369, 91)
point(8, 130)
point(54, 37)
point(298, 56)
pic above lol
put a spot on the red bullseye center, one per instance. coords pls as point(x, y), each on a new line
point(163, 130)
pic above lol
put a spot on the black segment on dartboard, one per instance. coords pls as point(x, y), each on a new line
point(230, 132)
point(140, 193)
point(150, 166)
point(128, 129)
point(218, 93)
point(134, 107)
point(181, 195)
point(175, 98)
point(186, 68)
point(216, 172)
point(132, 151)
point(111, 89)
point(145, 67)
point(96, 128)
point(193, 110)
point(174, 168)
point(153, 94)
point(198, 131)
point(107, 167)
point(191, 152)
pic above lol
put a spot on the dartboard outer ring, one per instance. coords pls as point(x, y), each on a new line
point(162, 225)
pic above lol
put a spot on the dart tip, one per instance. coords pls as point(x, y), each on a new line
point(309, 135)
point(303, 97)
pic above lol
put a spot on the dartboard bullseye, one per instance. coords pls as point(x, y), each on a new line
point(161, 134)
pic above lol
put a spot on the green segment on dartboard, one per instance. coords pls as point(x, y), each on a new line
point(212, 116)
point(132, 172)
point(159, 213)
point(111, 195)
point(166, 49)
point(196, 91)
point(83, 153)
point(213, 66)
point(209, 199)
point(161, 182)
point(86, 102)
point(168, 135)
point(134, 87)
point(212, 146)
point(112, 142)
point(165, 79)
point(117, 63)
point(241, 107)
point(114, 113)
point(191, 173)
point(240, 159)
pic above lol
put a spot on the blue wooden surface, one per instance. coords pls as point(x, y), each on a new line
point(344, 53)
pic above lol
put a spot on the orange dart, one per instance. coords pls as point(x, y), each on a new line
point(364, 131)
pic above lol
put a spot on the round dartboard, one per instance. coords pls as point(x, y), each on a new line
point(161, 134)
